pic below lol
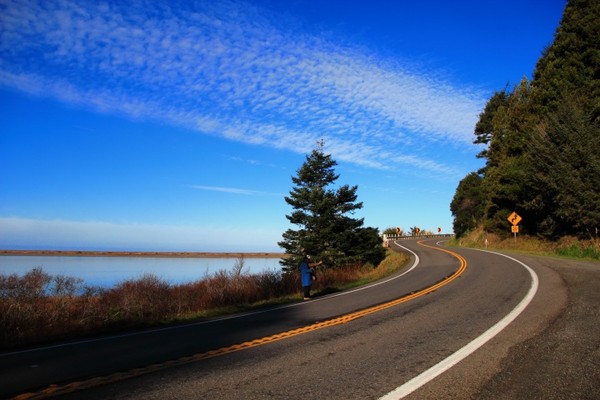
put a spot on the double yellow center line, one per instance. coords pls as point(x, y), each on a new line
point(54, 390)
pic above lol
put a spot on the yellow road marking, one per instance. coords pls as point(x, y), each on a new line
point(54, 390)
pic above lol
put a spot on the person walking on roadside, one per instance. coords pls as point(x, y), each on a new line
point(307, 274)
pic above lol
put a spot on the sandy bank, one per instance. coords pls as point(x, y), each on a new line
point(171, 254)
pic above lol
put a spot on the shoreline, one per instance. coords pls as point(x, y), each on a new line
point(156, 254)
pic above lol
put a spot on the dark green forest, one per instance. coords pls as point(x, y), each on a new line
point(542, 142)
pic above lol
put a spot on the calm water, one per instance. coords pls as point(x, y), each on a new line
point(106, 272)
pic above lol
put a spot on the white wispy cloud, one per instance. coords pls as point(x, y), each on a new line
point(230, 190)
point(230, 69)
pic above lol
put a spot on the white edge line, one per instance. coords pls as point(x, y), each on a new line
point(444, 365)
point(227, 317)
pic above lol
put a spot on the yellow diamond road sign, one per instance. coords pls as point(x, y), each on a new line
point(514, 218)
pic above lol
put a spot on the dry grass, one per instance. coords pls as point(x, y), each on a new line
point(566, 246)
point(40, 308)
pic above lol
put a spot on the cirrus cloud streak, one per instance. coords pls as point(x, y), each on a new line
point(233, 70)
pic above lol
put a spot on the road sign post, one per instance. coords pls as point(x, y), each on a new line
point(514, 219)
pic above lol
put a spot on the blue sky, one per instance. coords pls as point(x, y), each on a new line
point(177, 125)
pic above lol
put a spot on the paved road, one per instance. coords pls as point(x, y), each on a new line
point(365, 357)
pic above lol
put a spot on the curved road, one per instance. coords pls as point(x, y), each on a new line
point(363, 344)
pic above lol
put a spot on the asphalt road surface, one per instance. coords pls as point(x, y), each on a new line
point(363, 344)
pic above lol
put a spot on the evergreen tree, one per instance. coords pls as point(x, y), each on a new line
point(326, 230)
point(485, 126)
point(565, 170)
point(505, 173)
point(571, 65)
point(543, 139)
point(467, 204)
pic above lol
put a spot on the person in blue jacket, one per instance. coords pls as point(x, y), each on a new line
point(307, 272)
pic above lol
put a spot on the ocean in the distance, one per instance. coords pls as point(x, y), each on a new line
point(107, 272)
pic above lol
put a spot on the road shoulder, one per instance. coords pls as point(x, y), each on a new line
point(563, 360)
point(473, 377)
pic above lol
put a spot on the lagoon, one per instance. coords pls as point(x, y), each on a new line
point(107, 272)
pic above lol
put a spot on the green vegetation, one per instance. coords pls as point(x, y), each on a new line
point(580, 251)
point(568, 246)
point(325, 229)
point(542, 143)
point(40, 308)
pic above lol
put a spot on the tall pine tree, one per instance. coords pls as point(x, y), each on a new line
point(326, 229)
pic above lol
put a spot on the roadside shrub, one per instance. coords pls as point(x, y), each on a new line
point(136, 300)
point(37, 303)
point(277, 284)
point(186, 298)
point(580, 249)
point(92, 309)
point(38, 307)
point(330, 277)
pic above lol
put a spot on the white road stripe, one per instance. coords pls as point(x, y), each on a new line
point(438, 369)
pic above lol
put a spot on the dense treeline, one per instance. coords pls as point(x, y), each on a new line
point(542, 142)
